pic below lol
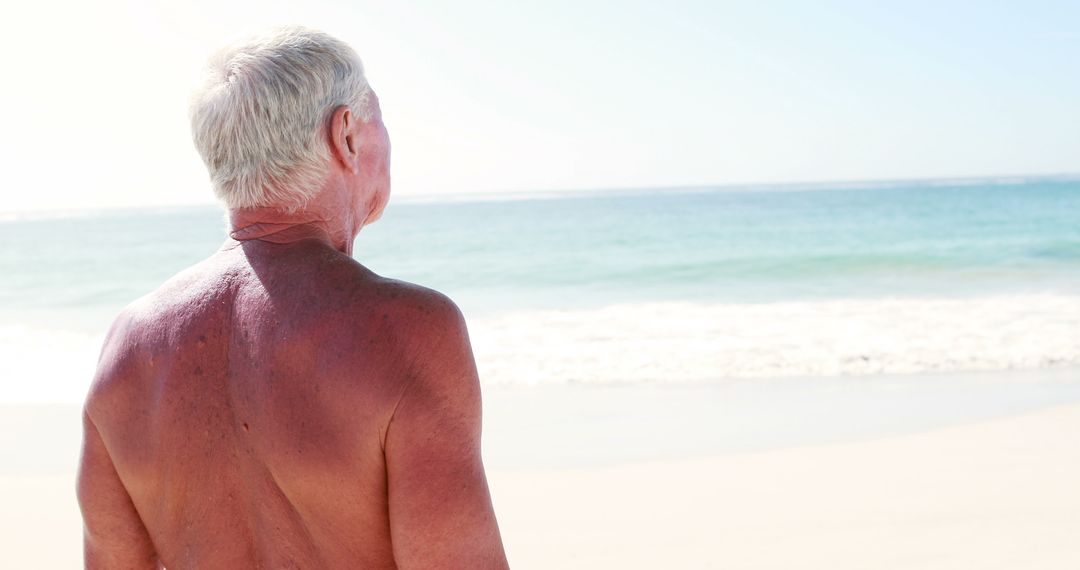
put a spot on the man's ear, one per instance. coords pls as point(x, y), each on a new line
point(344, 138)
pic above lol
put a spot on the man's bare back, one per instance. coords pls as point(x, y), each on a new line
point(281, 406)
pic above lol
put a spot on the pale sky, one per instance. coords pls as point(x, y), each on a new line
point(538, 96)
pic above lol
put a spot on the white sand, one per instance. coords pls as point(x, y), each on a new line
point(1003, 493)
point(998, 494)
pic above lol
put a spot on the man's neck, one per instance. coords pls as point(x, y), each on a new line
point(272, 225)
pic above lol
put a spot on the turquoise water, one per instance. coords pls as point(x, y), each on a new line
point(741, 246)
point(1008, 254)
point(599, 248)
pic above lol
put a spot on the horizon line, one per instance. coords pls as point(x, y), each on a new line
point(498, 195)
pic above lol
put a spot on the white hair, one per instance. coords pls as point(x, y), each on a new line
point(259, 117)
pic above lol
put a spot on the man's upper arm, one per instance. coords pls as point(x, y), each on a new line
point(440, 507)
point(113, 533)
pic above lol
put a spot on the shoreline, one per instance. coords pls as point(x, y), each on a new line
point(597, 425)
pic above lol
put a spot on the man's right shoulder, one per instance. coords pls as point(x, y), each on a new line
point(421, 324)
point(415, 310)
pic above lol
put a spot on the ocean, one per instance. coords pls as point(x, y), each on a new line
point(662, 286)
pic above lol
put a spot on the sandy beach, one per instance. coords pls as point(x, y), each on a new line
point(994, 491)
point(1001, 493)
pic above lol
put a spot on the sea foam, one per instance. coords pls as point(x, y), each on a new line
point(674, 342)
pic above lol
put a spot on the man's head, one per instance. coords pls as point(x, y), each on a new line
point(280, 117)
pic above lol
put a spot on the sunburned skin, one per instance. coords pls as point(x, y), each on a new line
point(279, 405)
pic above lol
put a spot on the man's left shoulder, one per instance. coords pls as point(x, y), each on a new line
point(119, 359)
point(135, 335)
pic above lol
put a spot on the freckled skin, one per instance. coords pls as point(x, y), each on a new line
point(272, 438)
point(281, 406)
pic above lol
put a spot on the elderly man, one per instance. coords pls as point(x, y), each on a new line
point(278, 405)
